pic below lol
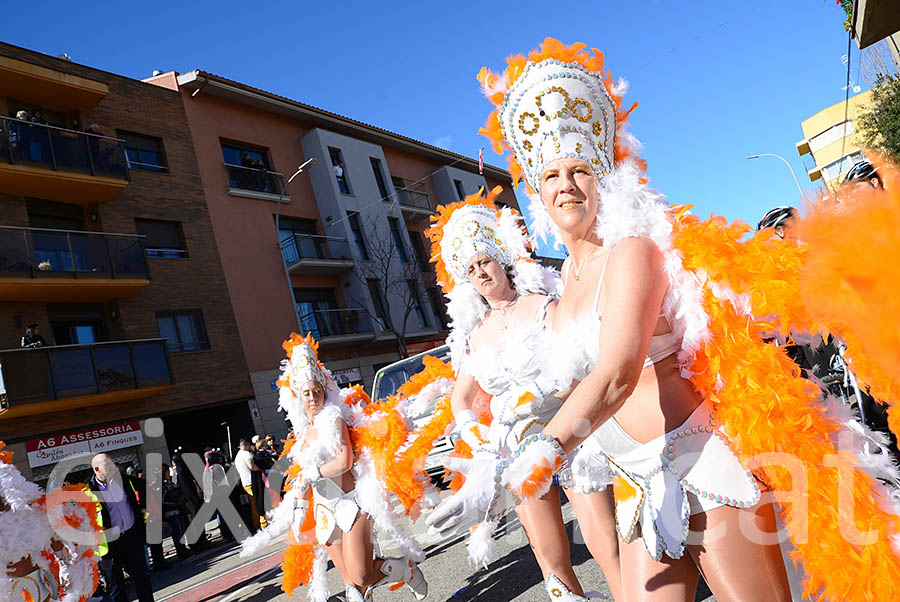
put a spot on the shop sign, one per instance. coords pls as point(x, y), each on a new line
point(346, 375)
point(54, 448)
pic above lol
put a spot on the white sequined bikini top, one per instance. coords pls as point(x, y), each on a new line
point(515, 361)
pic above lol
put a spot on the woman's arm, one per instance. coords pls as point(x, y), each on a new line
point(464, 391)
point(635, 287)
point(344, 459)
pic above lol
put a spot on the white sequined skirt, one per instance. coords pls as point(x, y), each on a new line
point(661, 483)
point(334, 510)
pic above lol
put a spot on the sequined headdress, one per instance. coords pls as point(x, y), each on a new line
point(303, 365)
point(558, 102)
point(476, 225)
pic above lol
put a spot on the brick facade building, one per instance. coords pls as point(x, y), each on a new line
point(71, 208)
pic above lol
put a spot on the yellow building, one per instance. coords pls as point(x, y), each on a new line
point(831, 140)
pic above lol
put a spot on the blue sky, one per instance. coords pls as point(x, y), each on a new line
point(716, 81)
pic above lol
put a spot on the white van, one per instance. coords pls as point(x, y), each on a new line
point(390, 378)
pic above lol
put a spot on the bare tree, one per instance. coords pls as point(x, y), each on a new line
point(878, 60)
point(395, 281)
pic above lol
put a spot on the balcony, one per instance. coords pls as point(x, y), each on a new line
point(254, 183)
point(338, 326)
point(51, 379)
point(40, 264)
point(49, 88)
point(875, 20)
point(414, 202)
point(315, 254)
point(62, 165)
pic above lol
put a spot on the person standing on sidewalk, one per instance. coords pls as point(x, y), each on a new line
point(122, 518)
point(246, 466)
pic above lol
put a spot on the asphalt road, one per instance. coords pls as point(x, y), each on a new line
point(513, 575)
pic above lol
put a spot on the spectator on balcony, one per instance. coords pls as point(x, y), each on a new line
point(20, 135)
point(37, 116)
point(33, 338)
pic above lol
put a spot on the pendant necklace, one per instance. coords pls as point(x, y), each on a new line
point(576, 269)
point(507, 311)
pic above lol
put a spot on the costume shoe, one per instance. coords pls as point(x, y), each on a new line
point(352, 594)
point(557, 591)
point(400, 569)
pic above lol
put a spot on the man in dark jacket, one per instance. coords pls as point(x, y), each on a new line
point(122, 518)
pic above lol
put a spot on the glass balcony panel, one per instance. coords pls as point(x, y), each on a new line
point(50, 147)
point(91, 256)
point(151, 364)
point(51, 253)
point(114, 370)
point(128, 257)
point(109, 160)
point(26, 375)
point(14, 260)
point(70, 151)
point(73, 372)
point(30, 144)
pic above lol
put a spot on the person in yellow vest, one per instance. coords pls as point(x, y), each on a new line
point(122, 518)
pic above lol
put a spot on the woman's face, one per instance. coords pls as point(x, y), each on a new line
point(488, 277)
point(569, 192)
point(312, 397)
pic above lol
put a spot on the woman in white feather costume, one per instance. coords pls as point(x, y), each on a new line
point(501, 301)
point(340, 483)
point(675, 473)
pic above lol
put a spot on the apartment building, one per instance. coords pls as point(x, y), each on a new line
point(106, 244)
point(830, 140)
point(350, 231)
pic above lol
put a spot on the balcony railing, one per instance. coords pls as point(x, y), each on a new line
point(314, 246)
point(50, 147)
point(43, 252)
point(411, 197)
point(254, 180)
point(337, 322)
point(53, 373)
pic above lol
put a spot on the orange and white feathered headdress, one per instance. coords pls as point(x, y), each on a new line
point(476, 225)
point(557, 103)
point(301, 366)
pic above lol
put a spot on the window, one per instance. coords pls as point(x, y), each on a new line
point(416, 299)
point(183, 330)
point(419, 246)
point(245, 156)
point(318, 311)
point(353, 218)
point(398, 239)
point(379, 178)
point(378, 301)
point(248, 168)
point(143, 152)
point(842, 166)
point(340, 172)
point(437, 304)
point(459, 189)
point(163, 239)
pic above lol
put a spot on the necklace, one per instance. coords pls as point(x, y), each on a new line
point(576, 269)
point(507, 310)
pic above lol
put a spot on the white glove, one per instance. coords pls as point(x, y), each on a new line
point(467, 507)
point(299, 515)
point(497, 436)
point(470, 430)
point(309, 474)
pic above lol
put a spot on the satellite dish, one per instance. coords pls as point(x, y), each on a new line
point(856, 89)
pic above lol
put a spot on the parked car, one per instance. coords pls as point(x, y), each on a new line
point(390, 378)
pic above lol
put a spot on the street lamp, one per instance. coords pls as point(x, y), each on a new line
point(287, 275)
point(785, 162)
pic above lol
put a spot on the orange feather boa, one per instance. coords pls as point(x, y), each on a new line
point(757, 393)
